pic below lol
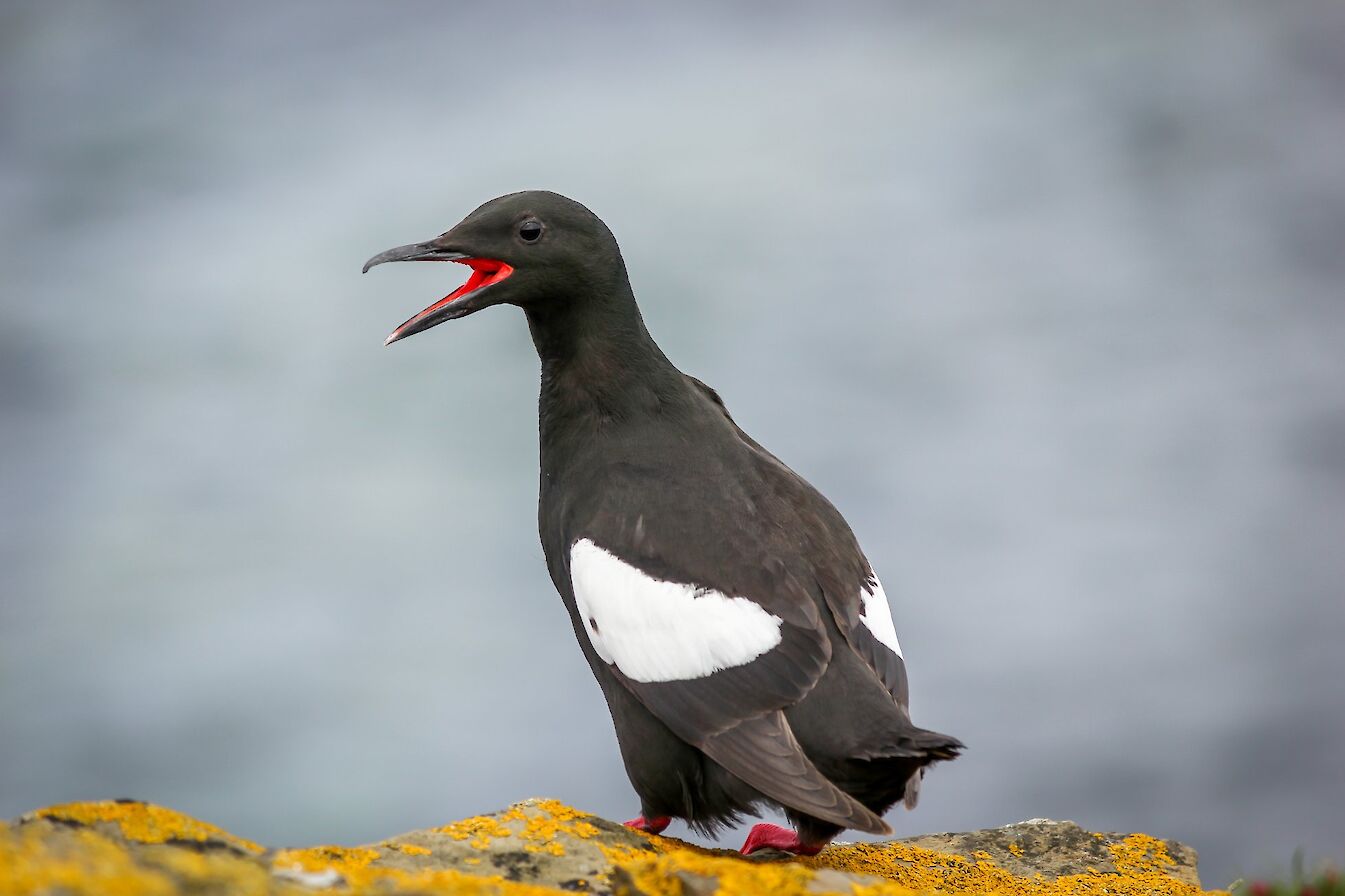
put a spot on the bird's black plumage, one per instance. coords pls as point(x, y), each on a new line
point(723, 604)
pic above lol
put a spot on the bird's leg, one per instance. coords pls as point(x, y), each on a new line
point(653, 825)
point(772, 836)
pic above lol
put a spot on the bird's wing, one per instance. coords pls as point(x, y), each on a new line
point(865, 619)
point(763, 752)
point(852, 591)
point(715, 664)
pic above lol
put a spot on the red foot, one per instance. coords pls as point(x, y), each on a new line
point(653, 825)
point(772, 836)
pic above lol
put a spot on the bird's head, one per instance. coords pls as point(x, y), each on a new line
point(530, 249)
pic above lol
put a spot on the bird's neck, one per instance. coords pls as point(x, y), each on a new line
point(600, 366)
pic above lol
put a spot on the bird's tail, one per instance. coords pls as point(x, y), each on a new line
point(926, 747)
point(936, 747)
point(919, 744)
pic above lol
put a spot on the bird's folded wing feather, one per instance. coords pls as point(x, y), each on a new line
point(863, 616)
point(764, 753)
point(701, 659)
point(717, 669)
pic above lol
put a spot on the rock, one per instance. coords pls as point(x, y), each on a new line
point(545, 847)
point(1052, 849)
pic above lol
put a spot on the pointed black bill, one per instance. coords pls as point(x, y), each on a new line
point(432, 250)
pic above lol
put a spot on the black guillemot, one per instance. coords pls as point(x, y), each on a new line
point(743, 642)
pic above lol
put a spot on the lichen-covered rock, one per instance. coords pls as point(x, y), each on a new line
point(537, 842)
point(545, 847)
point(1055, 849)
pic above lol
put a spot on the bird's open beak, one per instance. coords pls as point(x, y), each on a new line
point(460, 302)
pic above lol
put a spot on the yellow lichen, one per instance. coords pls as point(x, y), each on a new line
point(1141, 860)
point(360, 875)
point(85, 864)
point(1140, 852)
point(145, 822)
point(242, 875)
point(537, 823)
point(345, 860)
point(917, 867)
point(451, 882)
point(548, 819)
point(662, 875)
point(479, 830)
point(621, 854)
point(409, 849)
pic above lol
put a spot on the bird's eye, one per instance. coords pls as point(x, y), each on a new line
point(529, 231)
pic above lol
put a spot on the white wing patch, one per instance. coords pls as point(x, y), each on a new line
point(877, 617)
point(664, 631)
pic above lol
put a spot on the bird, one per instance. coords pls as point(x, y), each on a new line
point(742, 640)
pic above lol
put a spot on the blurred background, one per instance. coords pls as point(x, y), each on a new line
point(1048, 302)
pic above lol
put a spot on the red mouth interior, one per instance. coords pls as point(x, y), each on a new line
point(485, 272)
